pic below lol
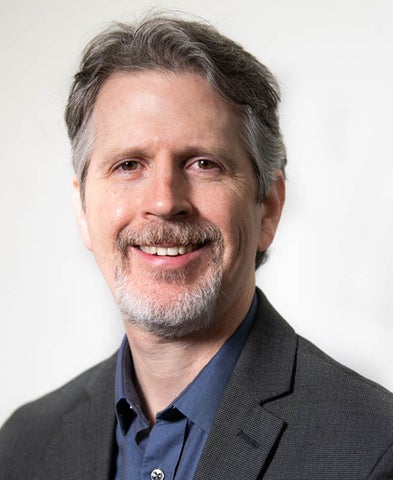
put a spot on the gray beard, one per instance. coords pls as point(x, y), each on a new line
point(191, 312)
point(193, 308)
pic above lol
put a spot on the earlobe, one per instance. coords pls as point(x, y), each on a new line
point(81, 214)
point(272, 206)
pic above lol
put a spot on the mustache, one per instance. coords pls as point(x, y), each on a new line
point(165, 233)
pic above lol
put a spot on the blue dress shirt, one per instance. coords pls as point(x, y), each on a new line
point(171, 449)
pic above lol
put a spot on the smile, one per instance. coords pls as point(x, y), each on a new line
point(172, 251)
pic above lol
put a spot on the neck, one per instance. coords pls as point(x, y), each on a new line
point(164, 367)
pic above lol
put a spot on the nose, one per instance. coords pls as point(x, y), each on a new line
point(167, 195)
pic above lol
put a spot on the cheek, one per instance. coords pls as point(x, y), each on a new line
point(107, 213)
point(246, 229)
point(120, 214)
point(239, 219)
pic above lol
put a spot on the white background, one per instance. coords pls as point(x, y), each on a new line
point(331, 268)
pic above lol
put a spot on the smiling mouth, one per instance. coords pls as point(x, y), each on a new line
point(172, 251)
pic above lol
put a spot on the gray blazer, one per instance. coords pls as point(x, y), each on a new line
point(289, 413)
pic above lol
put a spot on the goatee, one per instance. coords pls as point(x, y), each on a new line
point(192, 307)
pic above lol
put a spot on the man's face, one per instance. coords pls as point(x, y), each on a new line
point(170, 203)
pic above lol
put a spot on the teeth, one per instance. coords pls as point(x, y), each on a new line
point(148, 249)
point(166, 251)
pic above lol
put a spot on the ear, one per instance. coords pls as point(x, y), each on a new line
point(272, 206)
point(81, 214)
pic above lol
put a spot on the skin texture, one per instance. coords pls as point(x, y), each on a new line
point(168, 150)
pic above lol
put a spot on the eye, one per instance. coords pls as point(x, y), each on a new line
point(205, 168)
point(204, 164)
point(129, 165)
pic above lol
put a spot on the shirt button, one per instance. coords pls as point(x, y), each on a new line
point(157, 474)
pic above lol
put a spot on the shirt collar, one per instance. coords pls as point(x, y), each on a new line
point(200, 399)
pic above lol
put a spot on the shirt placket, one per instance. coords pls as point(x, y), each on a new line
point(164, 448)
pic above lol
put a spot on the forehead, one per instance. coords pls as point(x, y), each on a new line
point(163, 105)
point(187, 89)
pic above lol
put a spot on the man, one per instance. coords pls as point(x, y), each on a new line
point(179, 189)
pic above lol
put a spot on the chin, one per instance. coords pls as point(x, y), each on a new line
point(170, 313)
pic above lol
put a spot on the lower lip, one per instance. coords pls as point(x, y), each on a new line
point(167, 261)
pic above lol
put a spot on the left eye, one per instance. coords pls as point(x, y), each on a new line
point(205, 164)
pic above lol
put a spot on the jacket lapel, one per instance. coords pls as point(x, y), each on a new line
point(244, 434)
point(238, 447)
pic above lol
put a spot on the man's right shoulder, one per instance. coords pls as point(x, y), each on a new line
point(26, 432)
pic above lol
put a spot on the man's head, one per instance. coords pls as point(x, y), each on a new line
point(177, 151)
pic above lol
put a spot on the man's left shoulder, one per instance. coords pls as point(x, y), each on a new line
point(338, 421)
point(323, 377)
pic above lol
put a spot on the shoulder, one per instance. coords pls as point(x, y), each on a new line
point(333, 416)
point(66, 397)
point(29, 427)
point(336, 417)
point(310, 372)
point(322, 376)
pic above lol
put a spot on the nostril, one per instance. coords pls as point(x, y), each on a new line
point(169, 206)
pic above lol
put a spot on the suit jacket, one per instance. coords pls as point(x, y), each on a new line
point(289, 412)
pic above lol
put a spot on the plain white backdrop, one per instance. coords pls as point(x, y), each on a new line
point(331, 268)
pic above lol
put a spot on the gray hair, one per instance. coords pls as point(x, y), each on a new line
point(177, 45)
